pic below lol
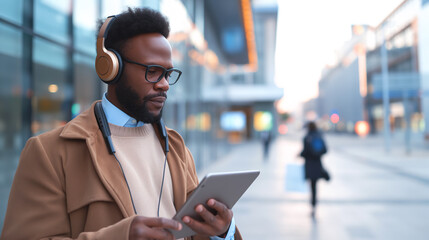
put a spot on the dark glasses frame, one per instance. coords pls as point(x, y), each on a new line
point(165, 73)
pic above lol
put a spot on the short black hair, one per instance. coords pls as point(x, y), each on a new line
point(312, 127)
point(132, 23)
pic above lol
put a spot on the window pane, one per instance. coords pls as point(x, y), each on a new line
point(132, 3)
point(51, 90)
point(142, 3)
point(150, 3)
point(49, 54)
point(11, 10)
point(85, 24)
point(51, 19)
point(111, 7)
point(10, 40)
point(86, 83)
point(11, 123)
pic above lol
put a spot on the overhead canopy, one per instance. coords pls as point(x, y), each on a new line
point(233, 24)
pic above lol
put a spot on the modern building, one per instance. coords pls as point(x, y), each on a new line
point(340, 100)
point(399, 33)
point(47, 76)
point(353, 88)
point(342, 86)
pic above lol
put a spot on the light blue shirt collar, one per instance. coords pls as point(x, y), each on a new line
point(116, 116)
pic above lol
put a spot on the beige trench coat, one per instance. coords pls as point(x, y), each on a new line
point(67, 185)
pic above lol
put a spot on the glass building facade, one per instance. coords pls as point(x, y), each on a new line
point(45, 55)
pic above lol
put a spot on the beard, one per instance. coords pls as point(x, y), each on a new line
point(134, 105)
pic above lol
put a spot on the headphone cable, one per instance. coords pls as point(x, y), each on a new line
point(126, 181)
point(162, 183)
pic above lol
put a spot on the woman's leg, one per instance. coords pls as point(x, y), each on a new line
point(313, 197)
point(313, 193)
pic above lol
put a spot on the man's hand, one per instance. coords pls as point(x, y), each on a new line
point(213, 225)
point(153, 228)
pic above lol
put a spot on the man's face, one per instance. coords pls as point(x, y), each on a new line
point(134, 95)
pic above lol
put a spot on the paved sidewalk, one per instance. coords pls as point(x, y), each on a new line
point(372, 195)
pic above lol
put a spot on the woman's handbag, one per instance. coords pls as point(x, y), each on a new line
point(294, 180)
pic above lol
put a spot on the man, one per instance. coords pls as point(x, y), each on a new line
point(78, 182)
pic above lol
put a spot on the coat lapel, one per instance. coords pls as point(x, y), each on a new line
point(107, 167)
point(110, 173)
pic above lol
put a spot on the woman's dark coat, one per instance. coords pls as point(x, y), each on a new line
point(313, 164)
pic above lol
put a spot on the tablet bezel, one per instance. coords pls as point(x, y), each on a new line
point(226, 187)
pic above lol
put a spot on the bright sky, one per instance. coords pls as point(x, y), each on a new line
point(309, 32)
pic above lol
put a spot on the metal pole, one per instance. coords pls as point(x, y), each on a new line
point(28, 84)
point(385, 81)
point(407, 116)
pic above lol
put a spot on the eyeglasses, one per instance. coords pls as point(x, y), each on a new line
point(154, 73)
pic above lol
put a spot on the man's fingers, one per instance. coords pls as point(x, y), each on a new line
point(159, 222)
point(221, 209)
point(205, 214)
point(198, 227)
point(213, 224)
point(150, 233)
point(153, 228)
point(159, 233)
point(164, 223)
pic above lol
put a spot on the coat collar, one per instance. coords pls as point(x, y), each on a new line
point(83, 126)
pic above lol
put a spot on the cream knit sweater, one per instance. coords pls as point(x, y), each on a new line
point(142, 158)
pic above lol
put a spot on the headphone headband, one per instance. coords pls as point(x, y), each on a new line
point(106, 26)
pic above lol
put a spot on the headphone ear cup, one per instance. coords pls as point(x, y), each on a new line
point(120, 66)
point(106, 65)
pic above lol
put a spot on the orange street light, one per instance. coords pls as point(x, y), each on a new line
point(362, 128)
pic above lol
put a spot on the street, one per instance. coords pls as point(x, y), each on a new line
point(371, 195)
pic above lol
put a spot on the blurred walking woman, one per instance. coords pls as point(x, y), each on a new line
point(314, 148)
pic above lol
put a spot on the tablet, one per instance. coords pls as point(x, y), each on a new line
point(226, 187)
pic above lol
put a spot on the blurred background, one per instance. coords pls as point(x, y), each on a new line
point(360, 69)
